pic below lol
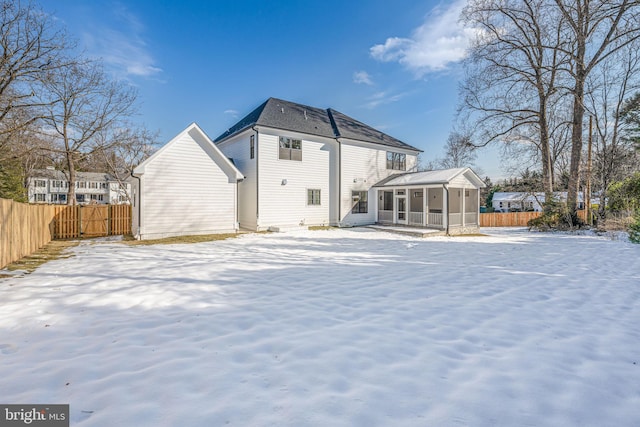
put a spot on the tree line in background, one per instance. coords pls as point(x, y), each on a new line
point(59, 108)
point(536, 70)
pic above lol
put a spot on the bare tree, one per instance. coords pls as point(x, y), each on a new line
point(459, 151)
point(31, 46)
point(83, 104)
point(606, 91)
point(129, 146)
point(596, 30)
point(511, 86)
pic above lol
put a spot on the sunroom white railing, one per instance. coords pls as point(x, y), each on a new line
point(416, 218)
point(434, 219)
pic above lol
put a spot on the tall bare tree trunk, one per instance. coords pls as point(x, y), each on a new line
point(71, 192)
point(576, 145)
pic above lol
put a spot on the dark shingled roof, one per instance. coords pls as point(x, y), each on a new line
point(285, 115)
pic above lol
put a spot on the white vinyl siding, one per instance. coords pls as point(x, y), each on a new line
point(184, 191)
point(363, 166)
point(238, 149)
point(283, 184)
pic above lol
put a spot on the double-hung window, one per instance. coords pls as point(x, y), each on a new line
point(290, 149)
point(252, 146)
point(396, 161)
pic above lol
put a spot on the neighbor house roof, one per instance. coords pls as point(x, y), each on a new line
point(329, 123)
point(443, 176)
point(64, 175)
point(519, 196)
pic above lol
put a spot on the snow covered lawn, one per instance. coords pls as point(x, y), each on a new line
point(331, 328)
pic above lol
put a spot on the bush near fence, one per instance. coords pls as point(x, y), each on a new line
point(513, 219)
point(25, 228)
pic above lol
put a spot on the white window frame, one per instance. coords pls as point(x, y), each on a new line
point(287, 149)
point(396, 161)
point(314, 197)
point(356, 197)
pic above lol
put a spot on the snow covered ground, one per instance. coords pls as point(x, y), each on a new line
point(331, 328)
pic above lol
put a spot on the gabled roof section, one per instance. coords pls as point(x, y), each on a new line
point(198, 135)
point(279, 114)
point(443, 176)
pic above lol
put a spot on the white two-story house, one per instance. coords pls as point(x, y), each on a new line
point(309, 166)
point(287, 165)
point(51, 186)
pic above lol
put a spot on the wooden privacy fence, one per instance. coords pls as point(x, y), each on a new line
point(25, 228)
point(513, 219)
point(92, 221)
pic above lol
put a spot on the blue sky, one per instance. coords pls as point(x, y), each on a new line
point(392, 65)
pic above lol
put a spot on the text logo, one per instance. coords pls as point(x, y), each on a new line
point(34, 415)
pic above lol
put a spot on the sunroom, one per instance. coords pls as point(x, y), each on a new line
point(447, 200)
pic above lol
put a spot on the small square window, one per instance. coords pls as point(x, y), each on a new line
point(313, 197)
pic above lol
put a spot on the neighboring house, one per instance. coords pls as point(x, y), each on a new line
point(51, 186)
point(301, 166)
point(186, 187)
point(524, 201)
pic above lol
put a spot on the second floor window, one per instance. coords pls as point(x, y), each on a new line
point(40, 183)
point(252, 146)
point(396, 161)
point(290, 149)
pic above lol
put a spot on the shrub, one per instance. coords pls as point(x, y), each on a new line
point(556, 216)
point(625, 195)
point(634, 228)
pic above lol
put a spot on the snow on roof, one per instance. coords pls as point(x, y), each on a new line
point(518, 196)
point(443, 176)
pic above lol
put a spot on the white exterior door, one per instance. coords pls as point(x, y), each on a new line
point(401, 209)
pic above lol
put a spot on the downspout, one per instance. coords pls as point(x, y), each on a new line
point(339, 181)
point(255, 152)
point(139, 203)
point(446, 190)
point(237, 224)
